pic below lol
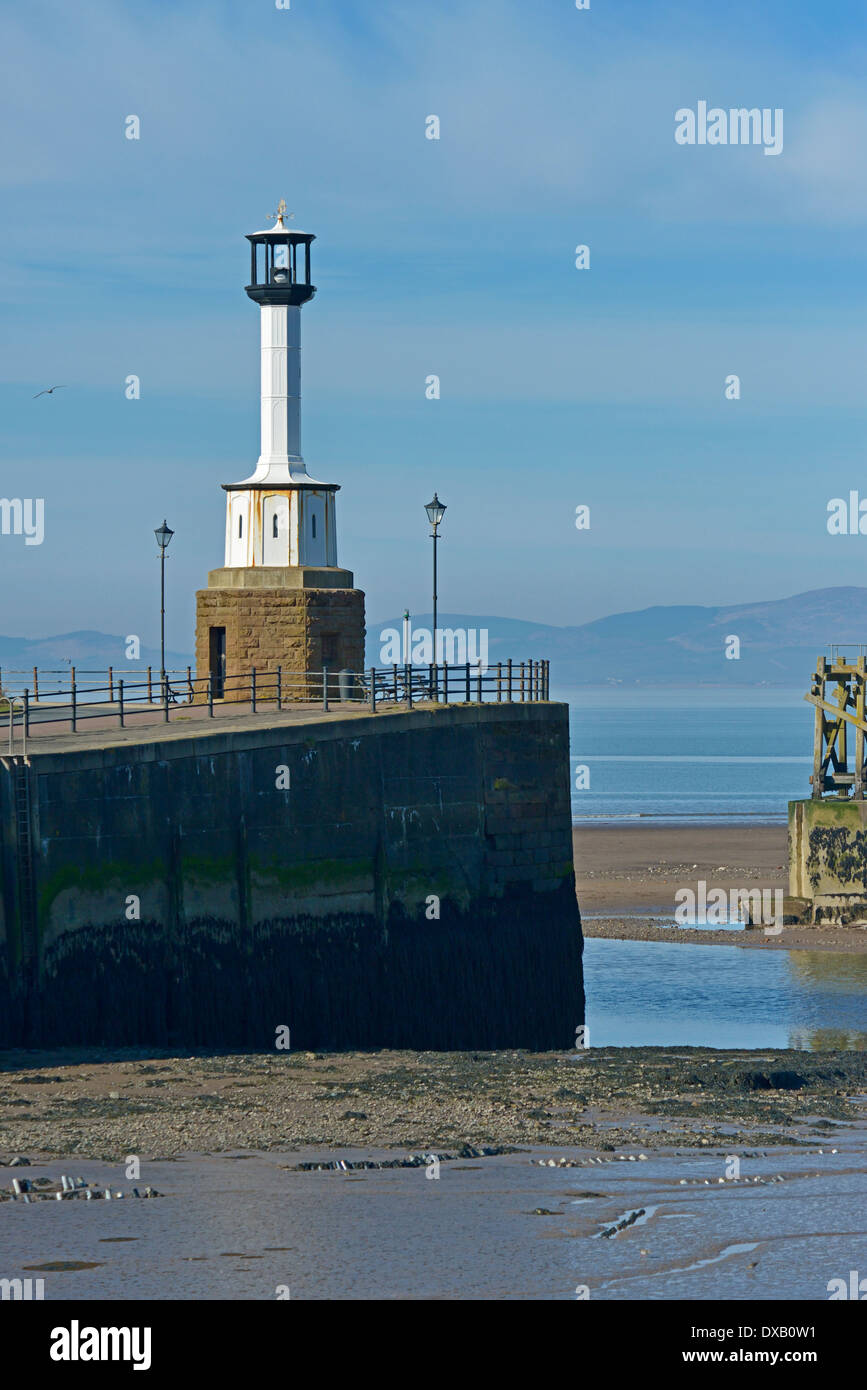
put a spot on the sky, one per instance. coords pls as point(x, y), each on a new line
point(603, 387)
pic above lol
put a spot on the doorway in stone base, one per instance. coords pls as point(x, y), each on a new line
point(217, 661)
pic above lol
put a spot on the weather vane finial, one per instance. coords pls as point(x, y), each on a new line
point(280, 214)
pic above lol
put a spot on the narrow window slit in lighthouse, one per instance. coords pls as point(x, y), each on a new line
point(313, 526)
point(240, 527)
point(275, 528)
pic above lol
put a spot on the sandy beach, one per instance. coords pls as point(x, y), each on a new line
point(628, 874)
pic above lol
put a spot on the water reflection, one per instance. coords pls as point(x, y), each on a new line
point(656, 994)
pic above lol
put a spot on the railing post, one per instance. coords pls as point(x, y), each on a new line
point(407, 676)
point(279, 688)
point(190, 683)
point(499, 682)
point(150, 688)
point(110, 684)
point(445, 682)
point(35, 684)
point(467, 672)
point(394, 674)
point(73, 710)
point(479, 685)
point(522, 682)
point(120, 701)
point(252, 689)
point(210, 695)
point(26, 716)
point(373, 689)
point(165, 682)
point(324, 686)
point(509, 680)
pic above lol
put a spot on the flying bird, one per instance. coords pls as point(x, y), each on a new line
point(48, 391)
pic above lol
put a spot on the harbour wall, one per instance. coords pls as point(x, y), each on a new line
point(389, 880)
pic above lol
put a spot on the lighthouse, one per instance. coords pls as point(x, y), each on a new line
point(280, 599)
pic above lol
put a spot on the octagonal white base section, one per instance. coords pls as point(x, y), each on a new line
point(281, 526)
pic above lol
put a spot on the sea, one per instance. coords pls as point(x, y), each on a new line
point(693, 756)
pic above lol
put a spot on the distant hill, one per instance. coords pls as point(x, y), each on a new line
point(681, 644)
point(87, 651)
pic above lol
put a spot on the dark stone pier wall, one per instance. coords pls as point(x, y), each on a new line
point(261, 906)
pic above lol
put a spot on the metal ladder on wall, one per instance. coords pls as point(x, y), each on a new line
point(20, 768)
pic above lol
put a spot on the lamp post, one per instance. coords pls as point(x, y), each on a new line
point(435, 511)
point(163, 534)
point(407, 638)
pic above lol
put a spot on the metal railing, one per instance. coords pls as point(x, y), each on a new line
point(206, 696)
point(41, 681)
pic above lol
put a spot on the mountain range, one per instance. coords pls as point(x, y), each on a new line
point(684, 644)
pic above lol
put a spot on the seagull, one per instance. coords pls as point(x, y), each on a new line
point(48, 391)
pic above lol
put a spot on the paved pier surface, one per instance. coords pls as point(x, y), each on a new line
point(185, 721)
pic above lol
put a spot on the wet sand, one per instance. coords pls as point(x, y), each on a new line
point(623, 1173)
point(627, 874)
point(719, 1222)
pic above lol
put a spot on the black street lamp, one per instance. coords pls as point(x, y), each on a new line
point(435, 511)
point(163, 534)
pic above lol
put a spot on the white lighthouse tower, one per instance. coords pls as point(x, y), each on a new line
point(280, 515)
point(280, 601)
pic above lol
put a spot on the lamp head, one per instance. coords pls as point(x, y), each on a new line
point(163, 534)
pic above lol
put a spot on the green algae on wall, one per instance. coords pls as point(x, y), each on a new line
point(827, 848)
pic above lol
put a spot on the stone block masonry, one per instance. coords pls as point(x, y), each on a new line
point(300, 628)
point(208, 890)
point(827, 861)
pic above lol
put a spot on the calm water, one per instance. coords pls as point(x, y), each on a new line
point(700, 755)
point(649, 993)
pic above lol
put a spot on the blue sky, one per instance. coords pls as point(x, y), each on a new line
point(453, 257)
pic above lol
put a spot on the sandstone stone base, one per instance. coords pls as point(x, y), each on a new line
point(298, 630)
